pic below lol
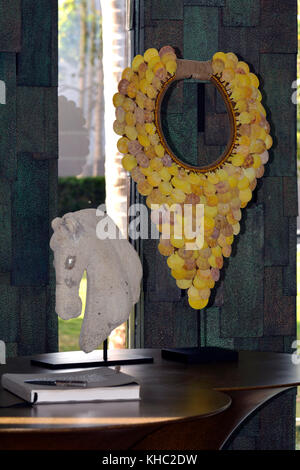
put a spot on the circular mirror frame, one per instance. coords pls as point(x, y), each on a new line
point(188, 69)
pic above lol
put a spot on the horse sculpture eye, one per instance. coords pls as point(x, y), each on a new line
point(70, 262)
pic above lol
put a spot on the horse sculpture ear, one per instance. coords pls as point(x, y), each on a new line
point(56, 223)
point(68, 226)
point(73, 226)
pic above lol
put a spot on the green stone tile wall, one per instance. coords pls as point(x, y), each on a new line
point(28, 174)
point(254, 305)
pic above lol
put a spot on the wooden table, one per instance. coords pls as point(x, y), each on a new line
point(183, 407)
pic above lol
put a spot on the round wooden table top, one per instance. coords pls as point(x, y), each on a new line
point(169, 391)
point(182, 406)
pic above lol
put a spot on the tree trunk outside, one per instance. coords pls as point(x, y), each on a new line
point(114, 61)
point(99, 123)
point(83, 50)
point(91, 65)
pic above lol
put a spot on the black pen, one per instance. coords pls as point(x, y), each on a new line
point(58, 383)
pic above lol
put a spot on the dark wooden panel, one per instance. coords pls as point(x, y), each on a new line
point(28, 28)
point(32, 321)
point(216, 129)
point(178, 130)
point(281, 111)
point(143, 14)
point(205, 3)
point(220, 105)
point(166, 10)
point(209, 98)
point(30, 206)
point(242, 442)
point(242, 41)
point(9, 313)
point(278, 32)
point(200, 32)
point(158, 324)
point(51, 121)
point(262, 432)
point(8, 116)
point(139, 24)
point(37, 121)
point(170, 324)
point(271, 344)
point(44, 156)
point(248, 431)
point(279, 309)
point(276, 225)
point(290, 196)
point(37, 59)
point(51, 344)
point(11, 349)
point(30, 119)
point(159, 286)
point(10, 25)
point(51, 316)
point(207, 153)
point(242, 312)
point(190, 122)
point(53, 192)
point(5, 224)
point(54, 43)
point(241, 13)
point(289, 272)
point(218, 294)
point(164, 32)
point(282, 436)
point(173, 99)
point(213, 331)
point(185, 324)
point(288, 344)
point(266, 343)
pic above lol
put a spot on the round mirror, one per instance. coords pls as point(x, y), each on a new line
point(183, 134)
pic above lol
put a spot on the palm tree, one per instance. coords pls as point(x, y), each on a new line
point(114, 61)
point(83, 50)
point(99, 134)
point(92, 61)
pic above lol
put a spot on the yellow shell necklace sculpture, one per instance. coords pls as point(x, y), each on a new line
point(224, 187)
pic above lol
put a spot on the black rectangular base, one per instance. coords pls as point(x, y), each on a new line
point(200, 355)
point(79, 359)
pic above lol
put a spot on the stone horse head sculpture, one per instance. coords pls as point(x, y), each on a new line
point(113, 271)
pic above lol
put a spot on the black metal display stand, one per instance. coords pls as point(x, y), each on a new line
point(97, 358)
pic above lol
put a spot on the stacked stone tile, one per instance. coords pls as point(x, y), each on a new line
point(28, 174)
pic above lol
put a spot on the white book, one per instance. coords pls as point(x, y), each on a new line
point(99, 384)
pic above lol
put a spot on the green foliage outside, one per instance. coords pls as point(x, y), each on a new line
point(75, 194)
point(69, 330)
point(69, 27)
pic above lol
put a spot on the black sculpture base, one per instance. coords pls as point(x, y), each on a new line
point(79, 359)
point(200, 355)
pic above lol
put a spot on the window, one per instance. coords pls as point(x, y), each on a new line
point(92, 53)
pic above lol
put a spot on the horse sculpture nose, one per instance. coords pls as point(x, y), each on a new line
point(68, 305)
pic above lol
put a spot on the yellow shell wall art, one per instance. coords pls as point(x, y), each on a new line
point(223, 188)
